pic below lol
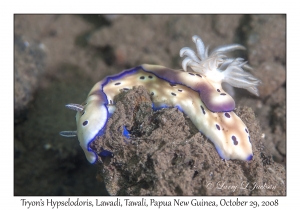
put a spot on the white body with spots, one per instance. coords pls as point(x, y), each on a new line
point(198, 94)
point(163, 94)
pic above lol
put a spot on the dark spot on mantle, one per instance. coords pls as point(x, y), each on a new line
point(85, 123)
point(202, 109)
point(235, 142)
point(227, 115)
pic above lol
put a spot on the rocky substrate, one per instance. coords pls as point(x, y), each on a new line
point(166, 155)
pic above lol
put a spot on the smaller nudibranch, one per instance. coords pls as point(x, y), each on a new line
point(198, 94)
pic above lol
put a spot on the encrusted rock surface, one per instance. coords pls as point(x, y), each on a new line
point(172, 158)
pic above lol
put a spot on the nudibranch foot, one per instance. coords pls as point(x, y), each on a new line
point(126, 133)
point(249, 157)
point(106, 153)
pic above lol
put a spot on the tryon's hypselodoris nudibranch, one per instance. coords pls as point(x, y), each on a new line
point(197, 93)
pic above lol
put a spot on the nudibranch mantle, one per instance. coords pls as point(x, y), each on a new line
point(197, 94)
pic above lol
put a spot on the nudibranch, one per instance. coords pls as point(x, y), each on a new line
point(197, 93)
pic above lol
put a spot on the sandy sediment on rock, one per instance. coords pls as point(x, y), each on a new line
point(166, 155)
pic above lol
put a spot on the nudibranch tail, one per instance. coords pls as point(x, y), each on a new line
point(198, 94)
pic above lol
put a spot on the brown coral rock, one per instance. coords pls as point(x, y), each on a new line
point(174, 159)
